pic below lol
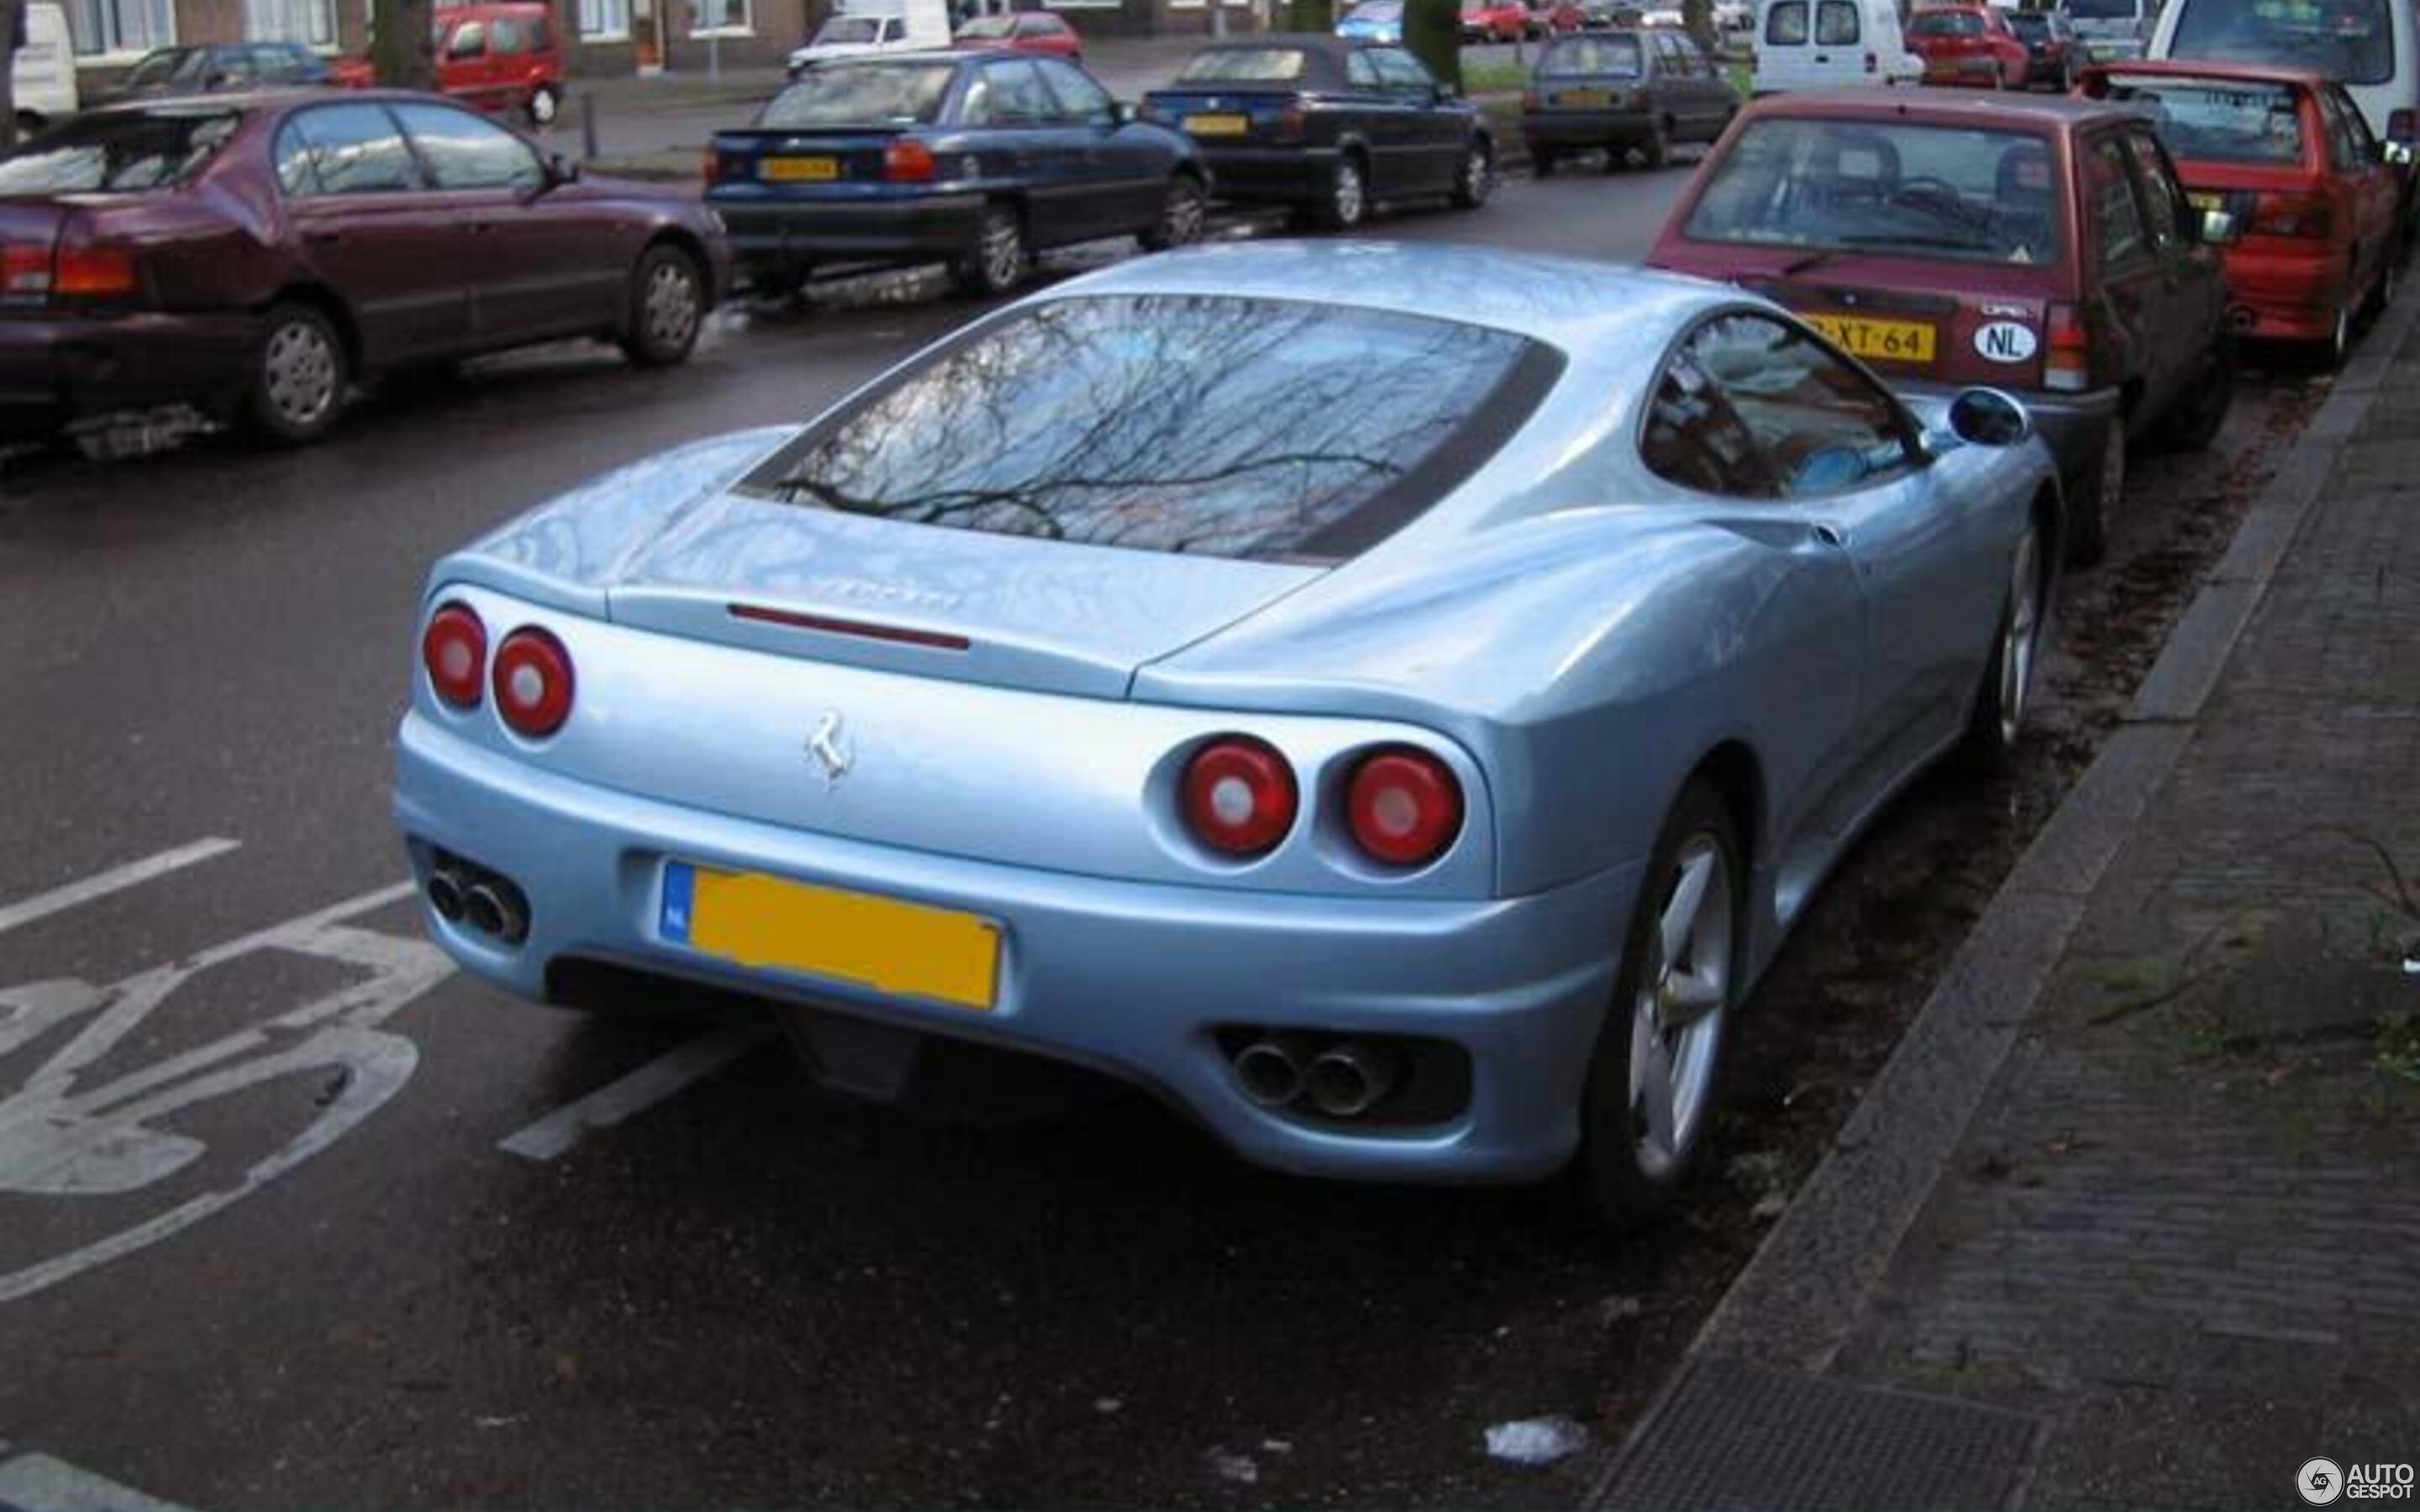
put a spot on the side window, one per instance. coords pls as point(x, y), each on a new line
point(1360, 72)
point(2343, 155)
point(1836, 24)
point(275, 64)
point(1081, 98)
point(1011, 94)
point(2364, 146)
point(1402, 73)
point(469, 40)
point(356, 149)
point(230, 68)
point(2163, 201)
point(1694, 437)
point(2109, 189)
point(1823, 426)
point(541, 35)
point(506, 39)
point(1785, 24)
point(297, 173)
point(464, 152)
point(893, 29)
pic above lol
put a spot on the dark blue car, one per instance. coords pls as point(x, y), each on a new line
point(978, 161)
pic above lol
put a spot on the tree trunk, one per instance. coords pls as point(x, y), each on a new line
point(401, 48)
point(1698, 17)
point(1432, 32)
point(9, 20)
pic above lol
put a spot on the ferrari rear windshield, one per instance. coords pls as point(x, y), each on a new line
point(1264, 430)
point(118, 153)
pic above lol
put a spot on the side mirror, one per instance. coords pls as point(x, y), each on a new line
point(2216, 228)
point(1122, 113)
point(1987, 417)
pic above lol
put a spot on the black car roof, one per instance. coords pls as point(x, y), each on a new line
point(1324, 54)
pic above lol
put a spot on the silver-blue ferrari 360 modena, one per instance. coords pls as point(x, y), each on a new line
point(1389, 702)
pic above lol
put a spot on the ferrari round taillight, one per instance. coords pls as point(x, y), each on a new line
point(454, 648)
point(1404, 806)
point(1239, 795)
point(533, 682)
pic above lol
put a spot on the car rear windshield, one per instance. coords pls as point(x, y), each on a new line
point(2032, 28)
point(2348, 39)
point(1245, 65)
point(1886, 187)
point(862, 94)
point(116, 152)
point(1265, 430)
point(1608, 56)
point(2218, 120)
point(1945, 24)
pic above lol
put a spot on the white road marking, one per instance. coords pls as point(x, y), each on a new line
point(59, 1140)
point(41, 905)
point(663, 1077)
point(38, 1483)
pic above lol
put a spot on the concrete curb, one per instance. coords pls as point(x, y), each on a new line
point(1803, 1292)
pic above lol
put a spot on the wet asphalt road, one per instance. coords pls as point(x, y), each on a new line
point(746, 1294)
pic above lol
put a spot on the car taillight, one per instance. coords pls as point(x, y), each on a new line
point(454, 648)
point(2066, 365)
point(908, 163)
point(533, 682)
point(92, 271)
point(1291, 122)
point(2292, 215)
point(1404, 807)
point(1239, 795)
point(711, 170)
point(25, 269)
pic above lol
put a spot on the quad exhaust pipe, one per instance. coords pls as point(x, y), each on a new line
point(1270, 1071)
point(464, 893)
point(1340, 1078)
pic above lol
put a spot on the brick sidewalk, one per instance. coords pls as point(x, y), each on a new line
point(2176, 1253)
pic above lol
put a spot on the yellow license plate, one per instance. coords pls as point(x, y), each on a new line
point(2202, 199)
point(903, 949)
point(1901, 341)
point(798, 170)
point(1583, 97)
point(1218, 125)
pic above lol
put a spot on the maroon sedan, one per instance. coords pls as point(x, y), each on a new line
point(256, 254)
point(2038, 244)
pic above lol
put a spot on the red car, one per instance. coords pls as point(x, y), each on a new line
point(1496, 20)
point(496, 57)
point(1031, 31)
point(255, 255)
point(2041, 244)
point(1969, 44)
point(2310, 201)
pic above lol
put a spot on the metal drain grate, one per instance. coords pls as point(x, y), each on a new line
point(1735, 1435)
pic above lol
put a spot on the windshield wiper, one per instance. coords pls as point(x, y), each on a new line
point(1813, 260)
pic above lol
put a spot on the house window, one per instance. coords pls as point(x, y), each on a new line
point(105, 26)
point(706, 16)
point(312, 22)
point(604, 18)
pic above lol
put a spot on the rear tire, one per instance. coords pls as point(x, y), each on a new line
point(1542, 161)
point(2194, 422)
point(1998, 722)
point(1655, 1077)
point(1348, 196)
point(1658, 151)
point(667, 307)
point(997, 261)
point(300, 378)
point(1183, 214)
point(2087, 525)
point(1477, 178)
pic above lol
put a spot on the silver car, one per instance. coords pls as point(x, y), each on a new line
point(1390, 701)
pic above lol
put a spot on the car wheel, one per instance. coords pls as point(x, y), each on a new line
point(997, 261)
point(1542, 161)
point(1183, 214)
point(2000, 704)
point(1653, 1080)
point(1348, 195)
point(1478, 176)
point(545, 104)
point(2087, 526)
point(1658, 150)
point(299, 376)
point(667, 307)
point(2195, 420)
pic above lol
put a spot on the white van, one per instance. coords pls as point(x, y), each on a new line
point(2369, 45)
point(2110, 29)
point(862, 26)
point(1831, 44)
point(45, 75)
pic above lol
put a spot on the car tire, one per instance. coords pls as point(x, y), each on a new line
point(2194, 421)
point(300, 378)
point(545, 104)
point(1348, 196)
point(1476, 178)
point(1542, 161)
point(1997, 724)
point(2100, 495)
point(667, 307)
point(1653, 1083)
point(1183, 215)
point(1658, 150)
point(999, 259)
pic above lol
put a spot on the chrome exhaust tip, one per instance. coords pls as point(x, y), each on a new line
point(445, 896)
point(495, 910)
point(1347, 1080)
point(1269, 1072)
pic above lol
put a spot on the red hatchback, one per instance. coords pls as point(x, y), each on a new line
point(2040, 245)
point(2309, 198)
point(254, 255)
point(1969, 44)
point(1028, 31)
